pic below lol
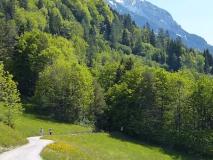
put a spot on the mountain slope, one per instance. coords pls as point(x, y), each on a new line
point(143, 11)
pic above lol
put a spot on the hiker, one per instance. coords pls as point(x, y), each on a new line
point(50, 131)
point(41, 131)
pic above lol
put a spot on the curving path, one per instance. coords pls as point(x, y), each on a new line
point(30, 151)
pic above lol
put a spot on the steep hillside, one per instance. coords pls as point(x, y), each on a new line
point(79, 62)
point(143, 12)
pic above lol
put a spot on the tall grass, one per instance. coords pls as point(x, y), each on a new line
point(9, 138)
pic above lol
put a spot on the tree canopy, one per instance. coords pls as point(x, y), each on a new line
point(80, 61)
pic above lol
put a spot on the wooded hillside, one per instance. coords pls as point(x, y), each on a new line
point(81, 62)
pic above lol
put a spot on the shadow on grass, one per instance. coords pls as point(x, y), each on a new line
point(175, 155)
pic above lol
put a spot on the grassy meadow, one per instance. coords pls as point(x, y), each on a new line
point(102, 146)
point(29, 125)
point(73, 142)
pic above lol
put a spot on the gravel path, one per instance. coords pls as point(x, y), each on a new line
point(30, 151)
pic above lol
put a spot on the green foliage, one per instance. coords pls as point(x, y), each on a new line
point(55, 21)
point(40, 4)
point(107, 75)
point(162, 107)
point(208, 62)
point(193, 61)
point(7, 41)
point(24, 4)
point(50, 46)
point(9, 99)
point(175, 52)
point(98, 106)
point(70, 30)
point(115, 34)
point(35, 50)
point(202, 113)
point(30, 20)
point(9, 8)
point(65, 90)
point(9, 138)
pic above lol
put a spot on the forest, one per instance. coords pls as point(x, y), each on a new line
point(78, 61)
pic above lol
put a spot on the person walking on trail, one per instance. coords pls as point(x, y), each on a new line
point(50, 131)
point(41, 131)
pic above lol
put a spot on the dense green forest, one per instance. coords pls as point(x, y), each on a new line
point(78, 61)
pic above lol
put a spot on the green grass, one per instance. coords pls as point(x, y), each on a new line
point(87, 146)
point(29, 125)
point(101, 146)
point(9, 138)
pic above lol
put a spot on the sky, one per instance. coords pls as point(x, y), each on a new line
point(195, 16)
